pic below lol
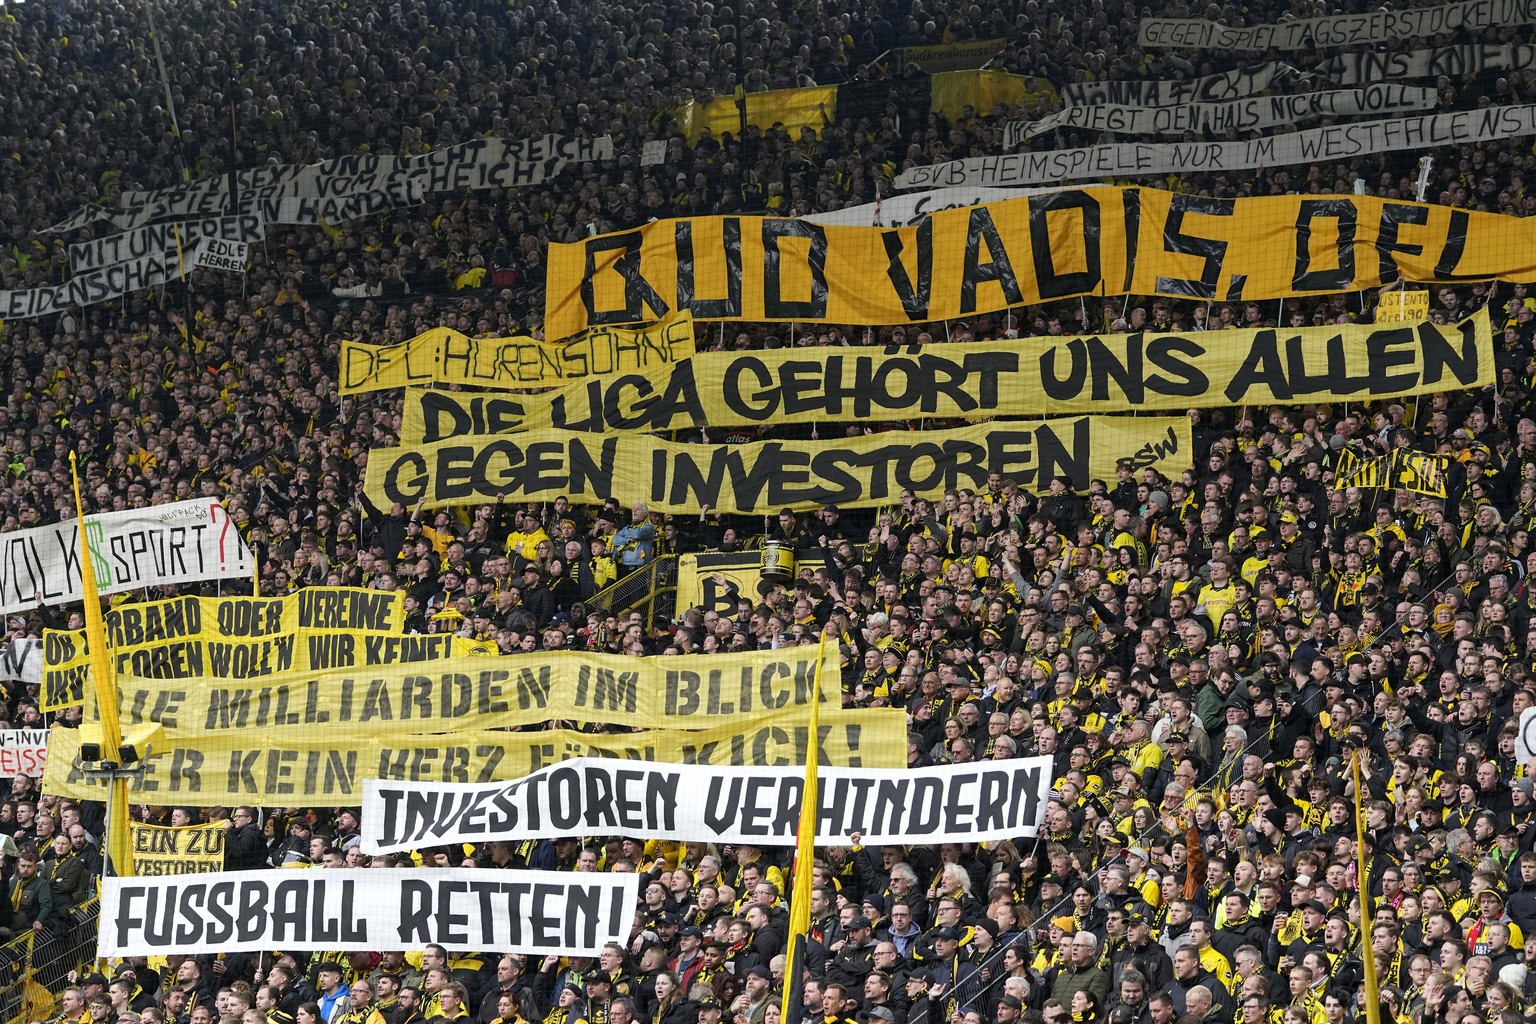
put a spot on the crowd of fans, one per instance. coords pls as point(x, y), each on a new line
point(1202, 656)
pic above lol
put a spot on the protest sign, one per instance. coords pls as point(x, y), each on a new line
point(443, 356)
point(535, 912)
point(1230, 116)
point(183, 542)
point(153, 239)
point(905, 210)
point(1224, 86)
point(984, 380)
point(1314, 145)
point(1358, 67)
point(1365, 29)
point(1419, 472)
point(177, 850)
point(1403, 306)
point(222, 254)
point(22, 660)
point(959, 56)
point(1017, 252)
point(752, 479)
point(992, 800)
point(309, 766)
point(23, 752)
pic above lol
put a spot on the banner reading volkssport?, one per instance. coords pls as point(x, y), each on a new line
point(748, 479)
point(444, 356)
point(1314, 145)
point(998, 255)
point(991, 800)
point(1379, 26)
point(183, 542)
point(309, 766)
point(540, 913)
point(985, 380)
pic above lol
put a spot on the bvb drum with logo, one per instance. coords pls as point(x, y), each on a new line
point(777, 567)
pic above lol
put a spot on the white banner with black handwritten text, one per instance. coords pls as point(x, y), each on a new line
point(907, 210)
point(183, 542)
point(948, 803)
point(1359, 67)
point(22, 660)
point(1237, 84)
point(1378, 26)
point(1237, 115)
point(1335, 142)
point(536, 912)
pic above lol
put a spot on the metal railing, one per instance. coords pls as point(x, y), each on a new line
point(651, 588)
point(34, 965)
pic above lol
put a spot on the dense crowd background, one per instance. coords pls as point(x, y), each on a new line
point(1202, 656)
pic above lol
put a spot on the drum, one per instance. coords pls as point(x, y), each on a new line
point(777, 566)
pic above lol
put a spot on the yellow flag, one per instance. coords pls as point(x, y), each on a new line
point(805, 858)
point(1363, 883)
point(119, 849)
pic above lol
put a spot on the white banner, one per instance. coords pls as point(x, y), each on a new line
point(361, 182)
point(23, 752)
point(1237, 115)
point(1237, 84)
point(22, 660)
point(949, 803)
point(534, 912)
point(653, 152)
point(1378, 26)
point(1363, 66)
point(98, 285)
point(223, 254)
point(154, 239)
point(903, 211)
point(1336, 142)
point(183, 542)
point(1525, 739)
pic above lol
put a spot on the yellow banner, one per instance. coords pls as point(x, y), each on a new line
point(985, 381)
point(512, 691)
point(984, 91)
point(239, 637)
point(1398, 469)
point(791, 109)
point(855, 472)
point(188, 850)
point(443, 356)
point(1399, 306)
point(950, 56)
point(328, 766)
point(713, 580)
point(1017, 252)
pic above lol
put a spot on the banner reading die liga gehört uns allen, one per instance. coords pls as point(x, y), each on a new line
point(1033, 377)
point(1061, 244)
point(443, 356)
point(855, 472)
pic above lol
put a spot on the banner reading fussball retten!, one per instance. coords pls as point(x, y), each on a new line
point(540, 913)
point(985, 380)
point(1038, 248)
point(855, 472)
point(309, 766)
point(443, 356)
point(991, 800)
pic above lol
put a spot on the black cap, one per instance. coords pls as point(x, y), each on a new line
point(1011, 1002)
point(761, 972)
point(859, 922)
point(690, 930)
point(953, 934)
point(1314, 905)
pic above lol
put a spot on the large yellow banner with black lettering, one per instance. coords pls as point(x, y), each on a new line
point(328, 766)
point(243, 638)
point(443, 356)
point(511, 691)
point(1399, 469)
point(854, 472)
point(1016, 252)
point(178, 850)
point(983, 381)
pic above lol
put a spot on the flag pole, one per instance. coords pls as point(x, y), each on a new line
point(805, 856)
point(119, 850)
point(1363, 886)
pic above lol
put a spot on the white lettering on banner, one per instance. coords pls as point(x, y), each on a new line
point(1378, 26)
point(1336, 142)
point(183, 542)
point(1238, 115)
point(352, 186)
point(22, 660)
point(949, 803)
point(535, 912)
point(23, 752)
point(1239, 83)
point(1365, 66)
point(153, 239)
point(903, 211)
point(223, 254)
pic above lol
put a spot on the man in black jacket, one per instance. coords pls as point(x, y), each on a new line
point(246, 848)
